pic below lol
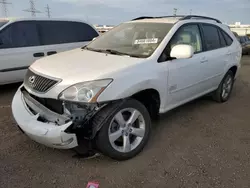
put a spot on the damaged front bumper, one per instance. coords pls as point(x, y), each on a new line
point(27, 112)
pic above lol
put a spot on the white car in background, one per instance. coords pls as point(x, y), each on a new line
point(23, 41)
point(108, 92)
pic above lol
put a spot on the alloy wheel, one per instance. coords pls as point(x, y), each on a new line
point(126, 130)
point(227, 87)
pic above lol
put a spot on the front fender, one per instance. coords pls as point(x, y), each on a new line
point(120, 91)
point(147, 75)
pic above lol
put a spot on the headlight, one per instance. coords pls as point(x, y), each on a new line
point(85, 91)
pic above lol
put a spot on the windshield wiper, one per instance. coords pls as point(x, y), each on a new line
point(93, 49)
point(101, 50)
point(122, 53)
point(115, 52)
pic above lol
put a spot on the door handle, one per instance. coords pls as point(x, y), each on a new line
point(51, 53)
point(39, 54)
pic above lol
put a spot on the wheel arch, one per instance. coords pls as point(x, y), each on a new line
point(233, 69)
point(150, 98)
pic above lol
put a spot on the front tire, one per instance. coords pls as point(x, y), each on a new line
point(222, 94)
point(126, 132)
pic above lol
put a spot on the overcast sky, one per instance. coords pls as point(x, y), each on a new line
point(116, 11)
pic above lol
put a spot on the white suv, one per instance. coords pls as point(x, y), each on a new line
point(108, 91)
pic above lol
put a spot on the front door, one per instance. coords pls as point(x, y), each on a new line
point(186, 76)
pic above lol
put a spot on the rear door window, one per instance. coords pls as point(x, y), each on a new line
point(60, 32)
point(19, 34)
point(211, 37)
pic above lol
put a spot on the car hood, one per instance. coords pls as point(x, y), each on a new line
point(83, 65)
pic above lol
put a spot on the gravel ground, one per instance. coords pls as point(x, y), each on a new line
point(201, 144)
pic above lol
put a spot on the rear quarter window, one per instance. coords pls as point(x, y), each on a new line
point(222, 39)
point(228, 39)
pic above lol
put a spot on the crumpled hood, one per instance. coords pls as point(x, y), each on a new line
point(82, 65)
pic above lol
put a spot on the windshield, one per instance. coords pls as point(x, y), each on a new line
point(2, 23)
point(132, 39)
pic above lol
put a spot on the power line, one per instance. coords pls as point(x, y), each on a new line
point(48, 11)
point(32, 9)
point(4, 6)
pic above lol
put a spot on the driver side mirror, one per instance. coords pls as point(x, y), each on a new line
point(93, 38)
point(182, 51)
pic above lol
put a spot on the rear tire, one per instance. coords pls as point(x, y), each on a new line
point(126, 132)
point(222, 94)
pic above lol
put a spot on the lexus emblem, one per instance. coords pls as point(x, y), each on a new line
point(32, 80)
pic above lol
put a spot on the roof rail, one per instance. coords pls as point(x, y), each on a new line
point(201, 17)
point(152, 17)
point(143, 17)
point(182, 17)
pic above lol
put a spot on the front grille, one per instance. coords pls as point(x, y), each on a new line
point(52, 104)
point(38, 83)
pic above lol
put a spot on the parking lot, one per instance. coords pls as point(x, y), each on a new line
point(201, 144)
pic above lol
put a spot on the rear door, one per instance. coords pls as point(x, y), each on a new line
point(59, 36)
point(217, 54)
point(18, 48)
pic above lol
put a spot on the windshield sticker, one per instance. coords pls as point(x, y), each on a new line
point(146, 41)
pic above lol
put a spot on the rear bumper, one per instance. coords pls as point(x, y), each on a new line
point(48, 134)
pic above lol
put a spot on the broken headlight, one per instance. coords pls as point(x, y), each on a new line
point(85, 91)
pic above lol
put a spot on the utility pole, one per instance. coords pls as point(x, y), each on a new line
point(4, 6)
point(175, 11)
point(32, 9)
point(190, 12)
point(48, 11)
